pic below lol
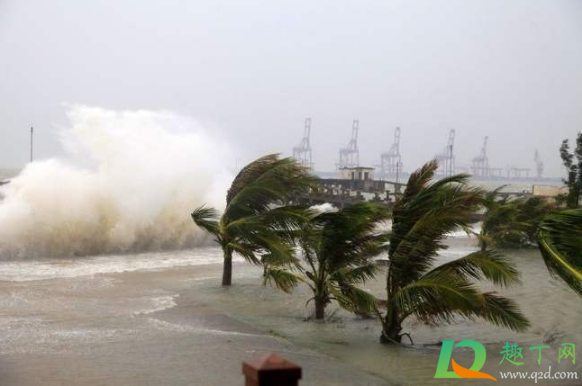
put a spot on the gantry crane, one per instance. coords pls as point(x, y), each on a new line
point(481, 162)
point(390, 161)
point(447, 157)
point(302, 152)
point(349, 156)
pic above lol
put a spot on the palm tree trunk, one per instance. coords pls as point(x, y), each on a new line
point(391, 329)
point(319, 308)
point(227, 268)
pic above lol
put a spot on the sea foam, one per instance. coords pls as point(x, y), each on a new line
point(128, 182)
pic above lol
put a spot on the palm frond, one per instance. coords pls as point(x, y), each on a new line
point(437, 298)
point(207, 219)
point(248, 251)
point(287, 221)
point(357, 275)
point(559, 237)
point(271, 229)
point(481, 265)
point(417, 181)
point(351, 236)
point(280, 260)
point(441, 297)
point(352, 298)
point(283, 279)
point(268, 181)
point(512, 223)
point(502, 312)
point(492, 196)
point(425, 223)
point(250, 173)
point(278, 249)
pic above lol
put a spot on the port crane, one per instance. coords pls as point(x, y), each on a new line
point(447, 157)
point(480, 166)
point(391, 161)
point(302, 152)
point(349, 156)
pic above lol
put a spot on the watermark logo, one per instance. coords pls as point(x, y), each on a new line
point(459, 371)
point(511, 353)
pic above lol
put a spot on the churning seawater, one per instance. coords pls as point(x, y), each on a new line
point(100, 305)
point(554, 310)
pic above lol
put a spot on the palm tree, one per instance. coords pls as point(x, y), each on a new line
point(511, 223)
point(498, 220)
point(560, 241)
point(515, 223)
point(531, 211)
point(257, 219)
point(422, 218)
point(338, 249)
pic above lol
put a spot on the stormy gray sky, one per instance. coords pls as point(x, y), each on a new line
point(253, 70)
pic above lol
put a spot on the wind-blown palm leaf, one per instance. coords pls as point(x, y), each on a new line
point(481, 265)
point(207, 219)
point(439, 298)
point(417, 181)
point(350, 236)
point(266, 181)
point(353, 299)
point(560, 240)
point(511, 223)
point(283, 222)
point(357, 275)
point(282, 278)
point(249, 174)
point(436, 298)
point(492, 196)
point(247, 250)
point(277, 249)
point(426, 220)
point(502, 312)
point(278, 260)
point(287, 221)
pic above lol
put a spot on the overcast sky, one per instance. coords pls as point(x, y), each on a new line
point(253, 70)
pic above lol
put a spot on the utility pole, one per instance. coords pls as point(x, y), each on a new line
point(31, 143)
point(539, 165)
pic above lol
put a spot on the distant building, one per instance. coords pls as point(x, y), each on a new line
point(549, 191)
point(358, 173)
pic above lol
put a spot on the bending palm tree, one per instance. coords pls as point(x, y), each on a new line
point(560, 240)
point(422, 218)
point(498, 221)
point(338, 248)
point(511, 223)
point(256, 219)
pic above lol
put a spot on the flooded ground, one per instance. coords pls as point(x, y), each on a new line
point(162, 318)
point(554, 311)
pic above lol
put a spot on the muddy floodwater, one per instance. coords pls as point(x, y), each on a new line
point(163, 319)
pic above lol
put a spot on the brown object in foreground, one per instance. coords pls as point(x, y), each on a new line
point(271, 370)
